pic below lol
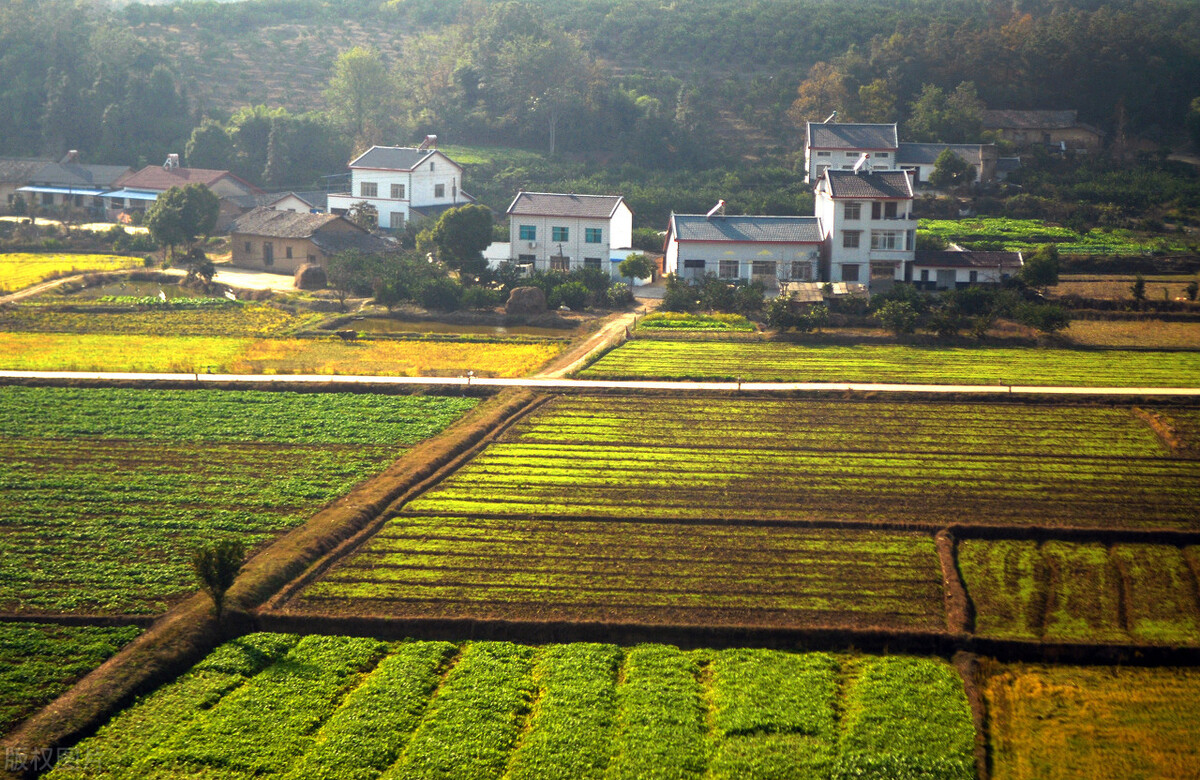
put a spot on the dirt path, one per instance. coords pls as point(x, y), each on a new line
point(39, 288)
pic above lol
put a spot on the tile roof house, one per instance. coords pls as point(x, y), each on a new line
point(74, 185)
point(768, 249)
point(1059, 129)
point(282, 241)
point(403, 183)
point(839, 146)
point(920, 159)
point(944, 269)
point(559, 231)
point(15, 173)
point(138, 190)
point(869, 228)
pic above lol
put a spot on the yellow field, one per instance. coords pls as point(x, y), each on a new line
point(1050, 722)
point(20, 270)
point(1128, 333)
point(222, 355)
point(1117, 286)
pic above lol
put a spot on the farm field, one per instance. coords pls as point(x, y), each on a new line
point(674, 321)
point(1144, 334)
point(1092, 722)
point(980, 467)
point(1116, 286)
point(21, 270)
point(779, 362)
point(223, 318)
point(1028, 234)
point(353, 707)
point(103, 492)
point(39, 661)
point(1083, 592)
point(232, 355)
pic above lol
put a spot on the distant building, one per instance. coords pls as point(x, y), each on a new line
point(403, 183)
point(15, 173)
point(868, 226)
point(73, 185)
point(139, 190)
point(771, 250)
point(937, 269)
point(1055, 129)
point(553, 231)
point(282, 241)
point(919, 160)
point(839, 146)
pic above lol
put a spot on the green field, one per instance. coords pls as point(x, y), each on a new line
point(39, 661)
point(1090, 722)
point(1080, 592)
point(1026, 235)
point(359, 708)
point(677, 321)
point(779, 362)
point(103, 492)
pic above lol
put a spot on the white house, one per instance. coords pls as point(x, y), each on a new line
point(402, 182)
point(948, 269)
point(921, 159)
point(839, 147)
point(555, 231)
point(868, 226)
point(772, 250)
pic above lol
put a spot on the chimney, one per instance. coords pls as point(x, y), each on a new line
point(720, 207)
point(72, 157)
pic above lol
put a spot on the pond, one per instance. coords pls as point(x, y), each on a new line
point(140, 290)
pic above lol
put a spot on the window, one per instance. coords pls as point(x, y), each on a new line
point(527, 232)
point(887, 239)
point(821, 170)
point(876, 210)
point(889, 210)
point(728, 269)
point(853, 210)
point(560, 234)
point(850, 239)
point(592, 235)
point(560, 263)
point(909, 238)
point(974, 277)
point(47, 199)
point(312, 259)
point(694, 264)
point(762, 268)
point(397, 192)
point(117, 203)
point(288, 252)
point(439, 190)
point(822, 154)
point(248, 246)
point(368, 189)
point(924, 275)
point(526, 258)
point(268, 253)
point(881, 155)
point(850, 273)
point(591, 262)
point(801, 271)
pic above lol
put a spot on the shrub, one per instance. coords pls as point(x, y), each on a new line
point(619, 295)
point(215, 566)
point(441, 294)
point(481, 298)
point(679, 295)
point(897, 316)
point(573, 295)
point(1045, 317)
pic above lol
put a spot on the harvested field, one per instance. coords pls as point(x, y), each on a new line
point(1117, 286)
point(779, 362)
point(223, 319)
point(618, 571)
point(1082, 592)
point(1142, 334)
point(38, 661)
point(492, 709)
point(21, 270)
point(104, 492)
point(1092, 722)
point(229, 355)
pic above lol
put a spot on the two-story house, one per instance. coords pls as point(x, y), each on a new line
point(771, 250)
point(869, 229)
point(402, 183)
point(839, 146)
point(560, 232)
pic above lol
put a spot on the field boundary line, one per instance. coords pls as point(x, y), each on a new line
point(392, 509)
point(958, 601)
point(143, 621)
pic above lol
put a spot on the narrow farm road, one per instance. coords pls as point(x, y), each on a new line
point(559, 383)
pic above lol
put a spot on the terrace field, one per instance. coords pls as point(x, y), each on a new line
point(104, 492)
point(1083, 592)
point(352, 707)
point(780, 362)
point(1091, 722)
point(1028, 234)
point(21, 270)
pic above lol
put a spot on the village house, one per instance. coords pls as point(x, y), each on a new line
point(140, 189)
point(919, 160)
point(559, 232)
point(272, 240)
point(15, 173)
point(868, 226)
point(1059, 130)
point(951, 269)
point(72, 185)
point(840, 146)
point(403, 183)
point(771, 250)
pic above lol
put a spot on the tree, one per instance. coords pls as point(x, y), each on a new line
point(1193, 123)
point(937, 117)
point(460, 235)
point(210, 147)
point(1041, 268)
point(819, 95)
point(181, 215)
point(352, 272)
point(1138, 288)
point(216, 566)
point(897, 316)
point(360, 95)
point(364, 215)
point(950, 170)
point(1045, 317)
point(1192, 289)
point(877, 102)
point(637, 266)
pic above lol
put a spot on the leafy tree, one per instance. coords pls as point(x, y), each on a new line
point(955, 118)
point(819, 95)
point(1192, 289)
point(637, 266)
point(364, 215)
point(441, 294)
point(877, 102)
point(352, 272)
point(950, 170)
point(181, 215)
point(1044, 317)
point(210, 147)
point(1138, 288)
point(460, 235)
point(215, 567)
point(573, 295)
point(897, 316)
point(1041, 268)
point(678, 295)
point(360, 95)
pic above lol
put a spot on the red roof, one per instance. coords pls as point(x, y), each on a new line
point(158, 178)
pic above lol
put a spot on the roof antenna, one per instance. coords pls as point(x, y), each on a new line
point(719, 207)
point(830, 118)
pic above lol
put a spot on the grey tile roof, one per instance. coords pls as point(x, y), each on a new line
point(335, 241)
point(552, 204)
point(792, 230)
point(877, 184)
point(951, 258)
point(927, 154)
point(392, 158)
point(1008, 164)
point(852, 136)
point(264, 221)
point(20, 169)
point(1030, 120)
point(268, 198)
point(77, 175)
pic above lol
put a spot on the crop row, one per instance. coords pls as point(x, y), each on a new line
point(930, 488)
point(839, 425)
point(231, 355)
point(1077, 592)
point(650, 572)
point(357, 708)
point(39, 661)
point(225, 416)
point(779, 362)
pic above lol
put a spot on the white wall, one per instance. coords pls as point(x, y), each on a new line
point(745, 254)
point(575, 247)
